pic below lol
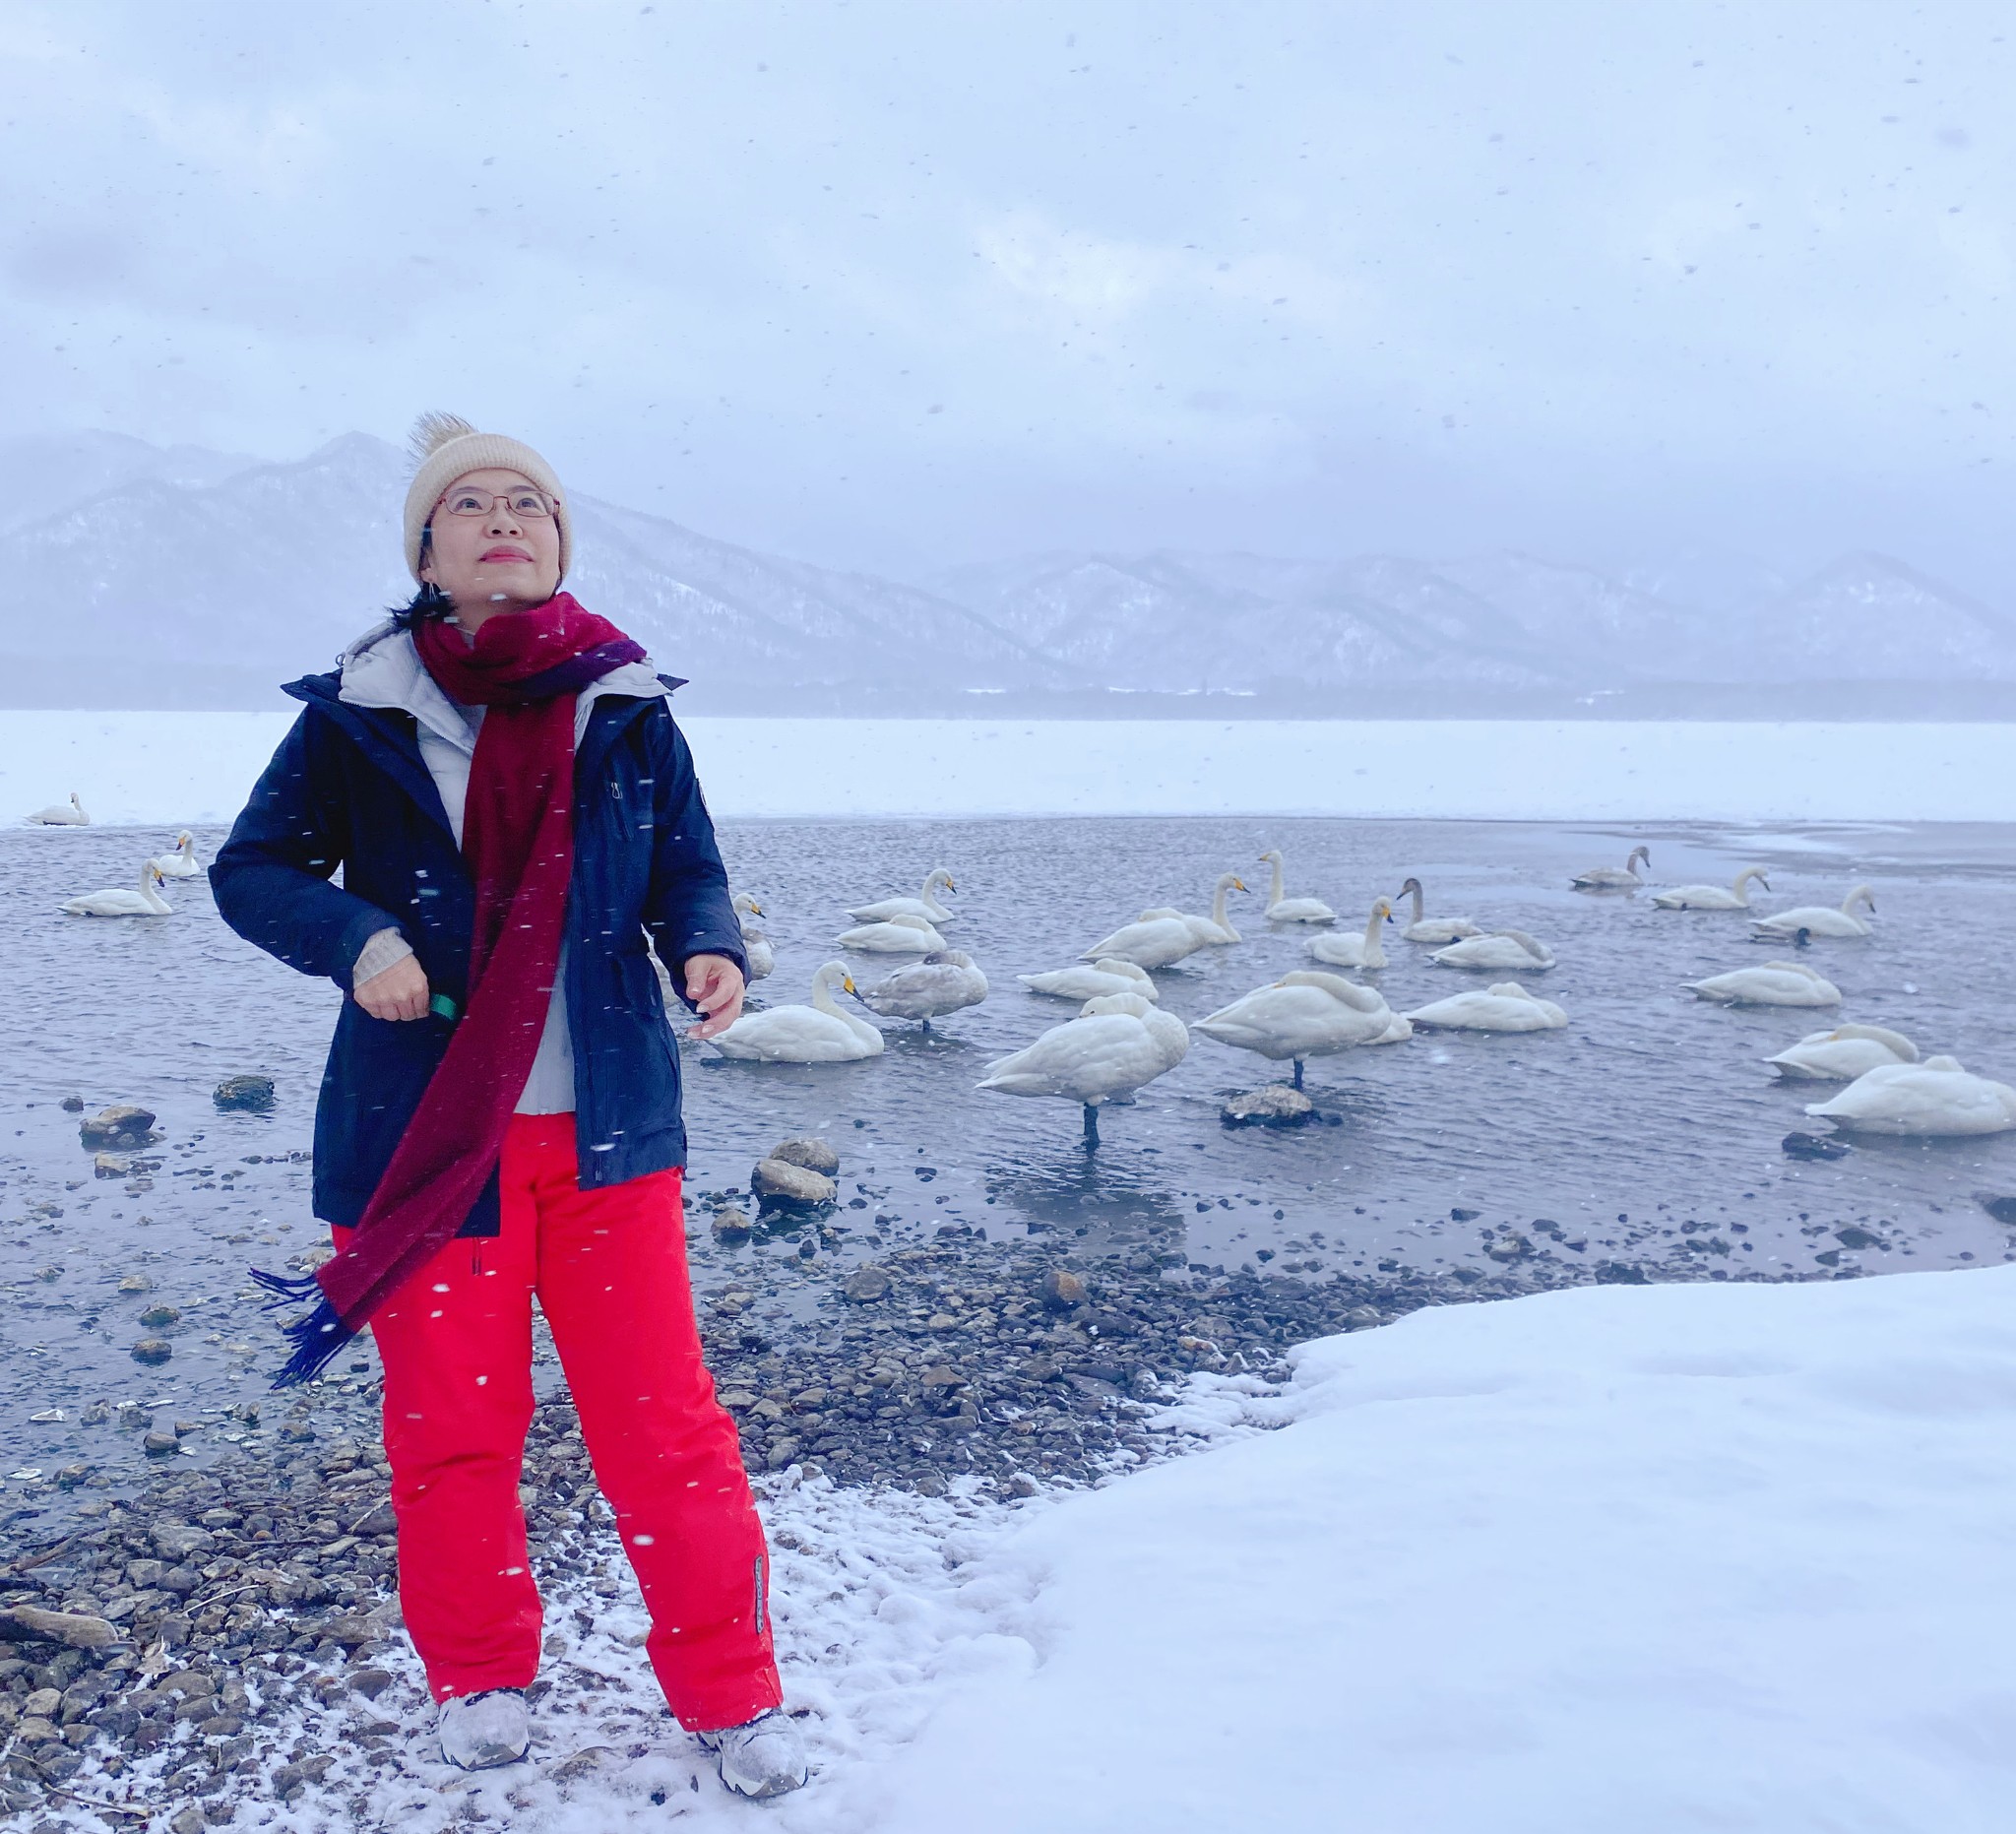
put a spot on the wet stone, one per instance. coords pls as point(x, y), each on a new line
point(252, 1095)
point(120, 1125)
point(812, 1154)
point(778, 1185)
point(1276, 1105)
point(866, 1285)
point(160, 1317)
point(153, 1350)
point(1062, 1289)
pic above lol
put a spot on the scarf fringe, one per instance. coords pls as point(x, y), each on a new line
point(318, 1337)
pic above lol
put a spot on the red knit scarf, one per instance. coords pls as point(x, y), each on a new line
point(525, 668)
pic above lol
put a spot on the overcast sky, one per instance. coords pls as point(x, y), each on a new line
point(898, 282)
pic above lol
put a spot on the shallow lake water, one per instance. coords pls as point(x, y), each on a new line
point(1649, 1127)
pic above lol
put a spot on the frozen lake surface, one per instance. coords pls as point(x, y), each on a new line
point(1648, 1128)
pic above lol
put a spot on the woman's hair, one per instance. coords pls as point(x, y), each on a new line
point(429, 601)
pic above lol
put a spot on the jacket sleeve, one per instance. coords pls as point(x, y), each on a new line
point(272, 877)
point(686, 908)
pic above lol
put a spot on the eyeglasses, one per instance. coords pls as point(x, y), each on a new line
point(525, 502)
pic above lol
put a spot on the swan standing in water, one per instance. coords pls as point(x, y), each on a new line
point(1818, 920)
point(1713, 896)
point(1506, 1007)
point(181, 863)
point(68, 814)
point(922, 905)
point(1366, 951)
point(1936, 1097)
point(1842, 1055)
point(1108, 976)
point(1622, 878)
point(940, 983)
point(1283, 909)
point(755, 944)
point(1118, 1044)
point(900, 936)
point(1306, 1014)
point(146, 902)
point(1433, 929)
point(1505, 948)
point(816, 1034)
point(1776, 983)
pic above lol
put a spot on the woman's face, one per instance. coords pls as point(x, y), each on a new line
point(487, 549)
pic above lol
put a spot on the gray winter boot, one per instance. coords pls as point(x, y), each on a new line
point(763, 1758)
point(486, 1729)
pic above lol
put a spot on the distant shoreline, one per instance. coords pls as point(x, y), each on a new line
point(169, 768)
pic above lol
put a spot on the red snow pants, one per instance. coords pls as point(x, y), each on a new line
point(609, 1267)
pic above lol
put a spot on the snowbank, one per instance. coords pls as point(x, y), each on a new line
point(166, 768)
point(1661, 1559)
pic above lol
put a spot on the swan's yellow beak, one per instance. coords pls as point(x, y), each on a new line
point(1240, 883)
point(755, 909)
point(951, 884)
point(848, 981)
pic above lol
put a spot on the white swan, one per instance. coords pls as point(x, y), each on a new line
point(816, 1034)
point(1283, 909)
point(1212, 933)
point(1118, 1044)
point(1150, 942)
point(1776, 983)
point(900, 936)
point(1505, 948)
point(1306, 1014)
point(1936, 1097)
point(1622, 878)
point(181, 863)
point(146, 902)
point(1819, 919)
point(1433, 929)
point(942, 983)
point(1713, 896)
point(1506, 1007)
point(1109, 976)
point(755, 944)
point(68, 814)
point(1366, 951)
point(922, 905)
point(1842, 1055)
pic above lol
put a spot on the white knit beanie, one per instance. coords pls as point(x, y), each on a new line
point(445, 446)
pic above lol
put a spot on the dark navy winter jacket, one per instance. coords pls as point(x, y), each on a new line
point(349, 789)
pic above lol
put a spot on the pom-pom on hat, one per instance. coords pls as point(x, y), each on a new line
point(445, 446)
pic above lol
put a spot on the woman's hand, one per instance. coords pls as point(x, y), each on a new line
point(399, 991)
point(714, 984)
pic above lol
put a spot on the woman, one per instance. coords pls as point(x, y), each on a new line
point(497, 772)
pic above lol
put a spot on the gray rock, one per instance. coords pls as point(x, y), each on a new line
point(1509, 1246)
point(813, 1155)
point(160, 1317)
point(178, 1540)
point(153, 1350)
point(730, 1225)
point(252, 1094)
point(778, 1185)
point(1062, 1289)
point(73, 1629)
point(121, 1124)
point(865, 1285)
point(1276, 1105)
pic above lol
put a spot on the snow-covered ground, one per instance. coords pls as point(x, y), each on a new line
point(1658, 1560)
point(195, 766)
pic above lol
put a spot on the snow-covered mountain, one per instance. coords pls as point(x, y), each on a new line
point(166, 577)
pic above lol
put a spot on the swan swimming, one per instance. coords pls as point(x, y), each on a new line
point(68, 814)
point(1366, 951)
point(1505, 948)
point(181, 863)
point(1108, 976)
point(1622, 878)
point(146, 902)
point(1819, 919)
point(1842, 1055)
point(1433, 929)
point(1116, 1045)
point(1506, 1007)
point(942, 983)
point(1936, 1097)
point(1213, 931)
point(900, 936)
point(1776, 983)
point(755, 944)
point(1713, 896)
point(816, 1034)
point(1283, 910)
point(1306, 1014)
point(922, 905)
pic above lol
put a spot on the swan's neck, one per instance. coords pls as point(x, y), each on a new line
point(1372, 932)
point(1217, 904)
point(822, 994)
point(1418, 906)
point(1274, 895)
